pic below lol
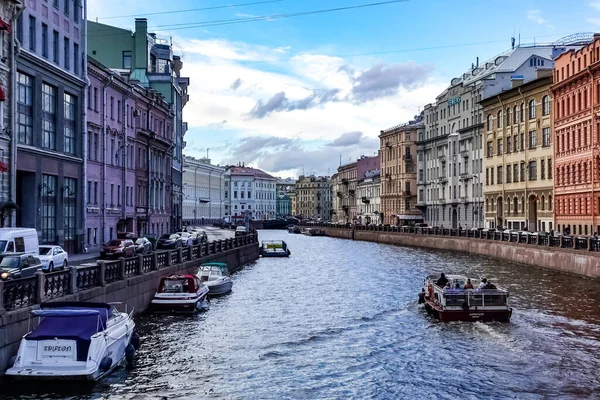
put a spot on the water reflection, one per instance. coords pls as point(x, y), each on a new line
point(339, 319)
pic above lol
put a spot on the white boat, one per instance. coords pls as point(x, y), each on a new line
point(75, 341)
point(179, 293)
point(215, 276)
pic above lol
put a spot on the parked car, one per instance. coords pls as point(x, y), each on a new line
point(19, 266)
point(117, 248)
point(127, 235)
point(143, 246)
point(240, 231)
point(169, 241)
point(19, 240)
point(186, 239)
point(201, 235)
point(53, 257)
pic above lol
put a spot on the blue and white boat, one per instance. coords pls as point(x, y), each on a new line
point(75, 341)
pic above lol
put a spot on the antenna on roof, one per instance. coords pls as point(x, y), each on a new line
point(519, 38)
point(340, 160)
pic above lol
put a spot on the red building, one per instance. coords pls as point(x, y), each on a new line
point(576, 97)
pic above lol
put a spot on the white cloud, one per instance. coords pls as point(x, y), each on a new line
point(595, 4)
point(595, 21)
point(536, 16)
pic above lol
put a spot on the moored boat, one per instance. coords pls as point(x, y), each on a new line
point(215, 276)
point(274, 248)
point(455, 303)
point(294, 229)
point(314, 232)
point(75, 341)
point(179, 293)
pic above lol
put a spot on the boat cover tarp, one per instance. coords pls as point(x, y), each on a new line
point(66, 324)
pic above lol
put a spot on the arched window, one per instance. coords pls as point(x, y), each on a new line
point(546, 105)
point(522, 204)
point(508, 205)
point(543, 203)
point(490, 122)
point(522, 112)
point(532, 109)
point(515, 205)
point(558, 109)
point(507, 116)
point(499, 119)
point(515, 115)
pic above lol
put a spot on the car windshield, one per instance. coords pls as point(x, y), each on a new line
point(10, 262)
point(166, 236)
point(44, 251)
point(114, 243)
point(2, 245)
point(139, 241)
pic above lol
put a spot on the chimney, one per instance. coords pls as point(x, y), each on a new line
point(516, 81)
point(141, 44)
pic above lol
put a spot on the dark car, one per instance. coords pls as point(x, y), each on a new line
point(19, 266)
point(169, 241)
point(117, 248)
point(143, 246)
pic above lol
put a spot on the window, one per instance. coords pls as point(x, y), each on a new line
point(75, 58)
point(55, 46)
point(69, 194)
point(127, 60)
point(499, 119)
point(76, 11)
point(490, 148)
point(532, 109)
point(543, 169)
point(48, 117)
point(119, 110)
point(499, 146)
point(532, 170)
point(67, 7)
point(48, 212)
point(515, 114)
point(24, 109)
point(507, 116)
point(508, 145)
point(67, 52)
point(545, 137)
point(31, 33)
point(500, 171)
point(546, 105)
point(549, 168)
point(69, 123)
point(516, 172)
point(522, 171)
point(112, 107)
point(44, 40)
point(516, 142)
point(490, 122)
point(95, 192)
point(508, 174)
point(522, 141)
point(532, 139)
point(522, 112)
point(96, 99)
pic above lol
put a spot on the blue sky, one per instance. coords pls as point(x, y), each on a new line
point(293, 94)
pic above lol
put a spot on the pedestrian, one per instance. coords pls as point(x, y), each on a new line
point(459, 227)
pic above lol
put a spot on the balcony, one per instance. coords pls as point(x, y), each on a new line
point(407, 157)
point(464, 153)
point(465, 176)
point(388, 144)
point(340, 194)
point(464, 199)
point(442, 159)
point(344, 181)
point(443, 180)
point(345, 208)
point(406, 193)
point(365, 200)
point(352, 193)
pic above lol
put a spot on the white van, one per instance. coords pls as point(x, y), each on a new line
point(19, 240)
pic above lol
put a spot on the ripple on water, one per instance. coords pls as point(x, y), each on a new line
point(339, 319)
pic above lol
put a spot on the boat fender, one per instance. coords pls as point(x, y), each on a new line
point(129, 354)
point(105, 364)
point(11, 361)
point(135, 340)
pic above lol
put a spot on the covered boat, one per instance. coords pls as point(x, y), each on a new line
point(294, 229)
point(274, 248)
point(314, 232)
point(215, 276)
point(179, 293)
point(454, 302)
point(76, 341)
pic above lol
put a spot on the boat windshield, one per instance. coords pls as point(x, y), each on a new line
point(176, 286)
point(210, 274)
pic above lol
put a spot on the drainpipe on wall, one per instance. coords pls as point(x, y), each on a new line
point(104, 148)
point(526, 205)
point(84, 124)
point(13, 112)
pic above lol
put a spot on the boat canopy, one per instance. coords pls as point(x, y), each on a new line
point(178, 284)
point(215, 264)
point(77, 323)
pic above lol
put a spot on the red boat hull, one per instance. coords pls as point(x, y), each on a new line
point(468, 315)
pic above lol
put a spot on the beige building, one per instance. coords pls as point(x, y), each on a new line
point(313, 197)
point(518, 156)
point(398, 175)
point(344, 193)
point(294, 202)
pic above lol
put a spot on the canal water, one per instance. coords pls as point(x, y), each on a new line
point(339, 319)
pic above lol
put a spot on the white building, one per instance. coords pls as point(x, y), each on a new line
point(249, 191)
point(203, 191)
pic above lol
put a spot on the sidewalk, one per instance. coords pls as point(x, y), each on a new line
point(92, 255)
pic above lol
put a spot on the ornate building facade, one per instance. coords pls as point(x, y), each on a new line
point(368, 199)
point(518, 187)
point(344, 193)
point(313, 197)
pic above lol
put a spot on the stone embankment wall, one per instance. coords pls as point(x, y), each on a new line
point(131, 281)
point(569, 260)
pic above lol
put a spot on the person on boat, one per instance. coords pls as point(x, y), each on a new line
point(490, 285)
point(441, 282)
point(468, 285)
point(447, 288)
point(457, 286)
point(422, 296)
point(483, 284)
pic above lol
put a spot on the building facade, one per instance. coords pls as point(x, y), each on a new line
point(451, 150)
point(518, 183)
point(344, 193)
point(368, 200)
point(576, 100)
point(249, 192)
point(148, 59)
point(398, 173)
point(203, 190)
point(49, 129)
point(284, 202)
point(314, 197)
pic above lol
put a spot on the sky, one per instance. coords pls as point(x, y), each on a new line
point(299, 95)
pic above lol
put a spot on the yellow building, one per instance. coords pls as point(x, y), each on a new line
point(518, 162)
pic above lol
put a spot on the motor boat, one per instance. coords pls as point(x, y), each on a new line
point(75, 341)
point(294, 229)
point(179, 293)
point(215, 276)
point(274, 248)
point(448, 300)
point(314, 232)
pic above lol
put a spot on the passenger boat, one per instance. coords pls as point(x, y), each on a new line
point(215, 276)
point(274, 248)
point(179, 293)
point(459, 304)
point(294, 229)
point(75, 341)
point(314, 232)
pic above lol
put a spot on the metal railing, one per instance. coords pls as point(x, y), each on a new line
point(25, 292)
